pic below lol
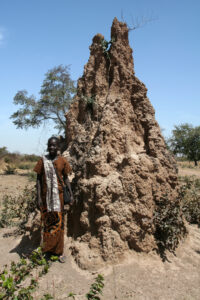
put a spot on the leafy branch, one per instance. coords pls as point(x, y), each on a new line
point(12, 280)
point(56, 93)
point(106, 47)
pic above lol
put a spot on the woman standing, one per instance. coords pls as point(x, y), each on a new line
point(50, 198)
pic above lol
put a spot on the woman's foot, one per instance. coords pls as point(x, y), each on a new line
point(62, 258)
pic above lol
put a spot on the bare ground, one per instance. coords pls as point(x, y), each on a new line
point(139, 276)
point(189, 172)
point(12, 185)
point(187, 168)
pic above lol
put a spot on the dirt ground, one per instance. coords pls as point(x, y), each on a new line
point(186, 168)
point(140, 276)
point(189, 172)
point(12, 185)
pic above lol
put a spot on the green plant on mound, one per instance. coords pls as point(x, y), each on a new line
point(89, 101)
point(190, 190)
point(18, 282)
point(169, 225)
point(17, 209)
point(106, 47)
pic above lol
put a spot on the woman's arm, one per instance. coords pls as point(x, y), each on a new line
point(67, 183)
point(39, 191)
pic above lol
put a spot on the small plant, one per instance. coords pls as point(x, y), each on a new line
point(54, 258)
point(169, 225)
point(12, 281)
point(96, 288)
point(106, 47)
point(71, 295)
point(89, 102)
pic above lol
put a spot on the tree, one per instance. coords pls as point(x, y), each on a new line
point(185, 140)
point(3, 151)
point(56, 93)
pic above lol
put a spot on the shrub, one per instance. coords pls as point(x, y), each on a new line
point(30, 157)
point(10, 170)
point(25, 166)
point(17, 157)
point(89, 101)
point(7, 160)
point(190, 190)
point(169, 225)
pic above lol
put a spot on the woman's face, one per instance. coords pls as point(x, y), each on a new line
point(53, 147)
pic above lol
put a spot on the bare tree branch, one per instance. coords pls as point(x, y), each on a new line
point(140, 22)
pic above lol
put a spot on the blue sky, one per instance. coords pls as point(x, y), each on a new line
point(36, 35)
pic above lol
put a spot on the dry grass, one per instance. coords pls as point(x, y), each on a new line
point(188, 164)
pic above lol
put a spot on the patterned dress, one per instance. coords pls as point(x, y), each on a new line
point(52, 221)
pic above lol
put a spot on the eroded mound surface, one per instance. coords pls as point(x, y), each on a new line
point(119, 157)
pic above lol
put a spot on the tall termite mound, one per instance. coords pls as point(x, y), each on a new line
point(118, 155)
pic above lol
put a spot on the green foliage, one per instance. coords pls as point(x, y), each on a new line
point(29, 157)
point(17, 209)
point(106, 47)
point(12, 281)
point(190, 190)
point(54, 258)
point(96, 288)
point(56, 93)
point(89, 102)
point(185, 141)
point(169, 225)
point(7, 160)
point(71, 295)
point(18, 159)
point(24, 166)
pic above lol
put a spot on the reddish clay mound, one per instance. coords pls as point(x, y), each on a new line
point(119, 157)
